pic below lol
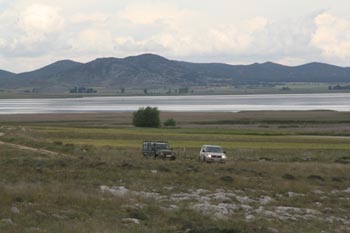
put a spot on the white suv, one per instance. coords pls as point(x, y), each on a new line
point(212, 153)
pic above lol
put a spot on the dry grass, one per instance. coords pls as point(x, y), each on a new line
point(62, 194)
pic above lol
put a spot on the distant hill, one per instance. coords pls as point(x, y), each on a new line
point(51, 70)
point(153, 71)
point(6, 74)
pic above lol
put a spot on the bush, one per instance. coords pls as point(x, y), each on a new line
point(170, 123)
point(146, 117)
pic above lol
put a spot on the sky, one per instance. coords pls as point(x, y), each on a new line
point(35, 33)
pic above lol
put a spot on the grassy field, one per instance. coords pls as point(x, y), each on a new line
point(267, 88)
point(286, 172)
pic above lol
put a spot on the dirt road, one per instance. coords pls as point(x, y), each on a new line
point(38, 150)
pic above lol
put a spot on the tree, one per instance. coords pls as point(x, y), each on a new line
point(147, 117)
point(170, 123)
point(184, 90)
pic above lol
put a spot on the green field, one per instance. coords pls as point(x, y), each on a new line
point(286, 172)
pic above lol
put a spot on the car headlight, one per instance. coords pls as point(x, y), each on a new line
point(224, 156)
point(209, 156)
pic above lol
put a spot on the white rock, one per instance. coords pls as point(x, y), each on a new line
point(15, 210)
point(244, 199)
point(156, 196)
point(7, 221)
point(273, 230)
point(250, 217)
point(292, 194)
point(318, 204)
point(199, 191)
point(246, 207)
point(116, 191)
point(220, 211)
point(220, 197)
point(318, 192)
point(266, 200)
point(131, 220)
point(266, 213)
point(346, 190)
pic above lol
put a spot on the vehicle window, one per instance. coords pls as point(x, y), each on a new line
point(214, 149)
point(163, 146)
point(147, 146)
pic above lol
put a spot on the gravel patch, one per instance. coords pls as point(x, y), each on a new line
point(224, 204)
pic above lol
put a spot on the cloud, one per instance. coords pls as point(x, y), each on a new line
point(332, 36)
point(211, 40)
point(148, 13)
point(98, 17)
point(184, 32)
point(175, 29)
point(39, 18)
point(291, 61)
point(93, 40)
point(31, 31)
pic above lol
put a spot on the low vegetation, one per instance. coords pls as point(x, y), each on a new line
point(170, 123)
point(276, 179)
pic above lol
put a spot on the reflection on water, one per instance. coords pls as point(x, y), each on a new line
point(217, 103)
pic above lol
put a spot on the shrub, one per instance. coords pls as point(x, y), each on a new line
point(170, 123)
point(146, 117)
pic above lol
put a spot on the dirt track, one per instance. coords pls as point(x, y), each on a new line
point(20, 147)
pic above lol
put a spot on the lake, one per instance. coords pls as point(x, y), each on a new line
point(208, 103)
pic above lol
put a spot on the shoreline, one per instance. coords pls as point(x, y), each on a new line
point(184, 103)
point(68, 96)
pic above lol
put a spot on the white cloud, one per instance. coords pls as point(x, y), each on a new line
point(332, 36)
point(2, 43)
point(184, 32)
point(31, 31)
point(39, 18)
point(291, 61)
point(89, 18)
point(148, 13)
point(236, 38)
point(93, 40)
point(220, 31)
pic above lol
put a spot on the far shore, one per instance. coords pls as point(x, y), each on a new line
point(204, 119)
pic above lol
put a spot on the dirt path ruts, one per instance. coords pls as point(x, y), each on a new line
point(41, 151)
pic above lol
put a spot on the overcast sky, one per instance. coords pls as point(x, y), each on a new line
point(34, 33)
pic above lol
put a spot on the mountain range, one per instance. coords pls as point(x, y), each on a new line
point(153, 71)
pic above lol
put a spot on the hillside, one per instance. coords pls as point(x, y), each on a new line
point(5, 74)
point(153, 71)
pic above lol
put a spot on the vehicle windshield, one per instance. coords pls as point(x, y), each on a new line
point(162, 146)
point(214, 149)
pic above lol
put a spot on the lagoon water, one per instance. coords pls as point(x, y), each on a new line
point(211, 103)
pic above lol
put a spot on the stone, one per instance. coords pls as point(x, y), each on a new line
point(7, 221)
point(15, 210)
point(131, 221)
